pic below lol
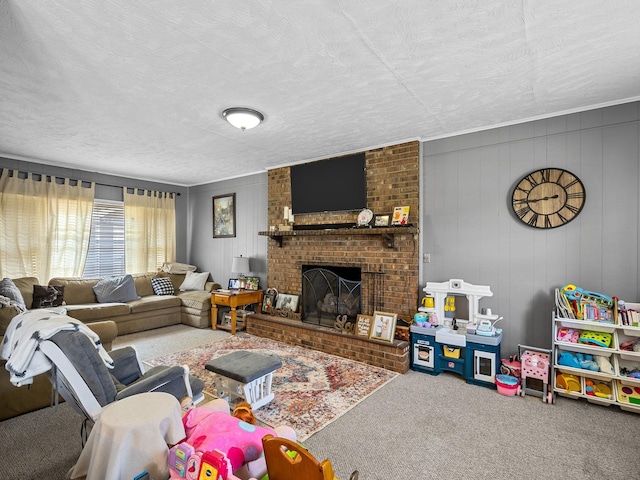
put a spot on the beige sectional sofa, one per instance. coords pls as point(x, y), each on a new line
point(192, 307)
point(150, 311)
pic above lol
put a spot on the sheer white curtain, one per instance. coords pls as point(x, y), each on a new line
point(45, 224)
point(150, 230)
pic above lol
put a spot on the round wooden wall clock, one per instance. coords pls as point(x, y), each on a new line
point(548, 198)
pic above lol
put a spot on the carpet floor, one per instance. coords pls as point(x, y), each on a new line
point(312, 389)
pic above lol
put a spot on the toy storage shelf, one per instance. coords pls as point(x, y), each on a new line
point(624, 390)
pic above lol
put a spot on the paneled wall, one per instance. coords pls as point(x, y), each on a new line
point(466, 221)
point(471, 233)
point(215, 254)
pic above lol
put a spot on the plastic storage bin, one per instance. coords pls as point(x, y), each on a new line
point(507, 385)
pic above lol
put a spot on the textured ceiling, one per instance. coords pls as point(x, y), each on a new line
point(136, 88)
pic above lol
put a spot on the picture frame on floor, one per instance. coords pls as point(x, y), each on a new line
point(384, 326)
point(268, 303)
point(288, 300)
point(363, 325)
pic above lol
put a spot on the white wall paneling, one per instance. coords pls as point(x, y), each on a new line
point(215, 254)
point(471, 233)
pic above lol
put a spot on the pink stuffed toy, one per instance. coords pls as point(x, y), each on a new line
point(568, 335)
point(208, 429)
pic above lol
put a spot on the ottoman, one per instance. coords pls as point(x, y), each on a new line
point(245, 375)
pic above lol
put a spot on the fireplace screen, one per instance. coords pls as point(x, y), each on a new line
point(327, 294)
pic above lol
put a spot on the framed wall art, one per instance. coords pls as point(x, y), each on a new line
point(384, 325)
point(363, 325)
point(287, 300)
point(224, 216)
point(252, 283)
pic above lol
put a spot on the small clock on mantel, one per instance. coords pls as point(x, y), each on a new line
point(365, 217)
point(548, 198)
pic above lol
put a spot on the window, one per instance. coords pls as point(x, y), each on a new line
point(106, 244)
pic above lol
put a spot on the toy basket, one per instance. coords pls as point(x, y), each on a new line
point(507, 385)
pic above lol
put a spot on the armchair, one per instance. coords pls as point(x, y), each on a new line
point(80, 375)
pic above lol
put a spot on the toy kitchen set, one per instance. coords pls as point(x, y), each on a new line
point(441, 341)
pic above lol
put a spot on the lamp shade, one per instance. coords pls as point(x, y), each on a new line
point(240, 265)
point(243, 118)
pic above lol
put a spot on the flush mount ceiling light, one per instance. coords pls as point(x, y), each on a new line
point(243, 118)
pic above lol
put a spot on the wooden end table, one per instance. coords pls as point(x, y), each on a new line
point(233, 299)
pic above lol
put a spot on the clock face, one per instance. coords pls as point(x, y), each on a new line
point(548, 198)
point(364, 217)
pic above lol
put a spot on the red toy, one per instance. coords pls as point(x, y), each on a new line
point(214, 466)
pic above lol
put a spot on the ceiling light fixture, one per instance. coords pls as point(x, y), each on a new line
point(243, 118)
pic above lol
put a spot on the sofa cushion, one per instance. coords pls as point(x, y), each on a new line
point(162, 286)
point(142, 282)
point(25, 284)
point(154, 302)
point(45, 296)
point(90, 312)
point(9, 290)
point(174, 267)
point(176, 279)
point(194, 281)
point(197, 300)
point(77, 291)
point(116, 289)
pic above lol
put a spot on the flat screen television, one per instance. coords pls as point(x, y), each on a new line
point(333, 185)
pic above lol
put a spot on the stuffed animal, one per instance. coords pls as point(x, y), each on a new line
point(244, 412)
point(578, 360)
point(604, 364)
point(568, 335)
point(587, 362)
point(568, 359)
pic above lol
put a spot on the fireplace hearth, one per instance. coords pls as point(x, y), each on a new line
point(330, 291)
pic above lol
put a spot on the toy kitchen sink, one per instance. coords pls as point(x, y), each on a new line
point(472, 352)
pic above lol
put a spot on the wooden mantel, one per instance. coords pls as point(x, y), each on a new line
point(386, 233)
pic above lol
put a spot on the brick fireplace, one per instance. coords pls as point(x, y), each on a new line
point(387, 258)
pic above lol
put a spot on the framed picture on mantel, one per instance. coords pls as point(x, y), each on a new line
point(381, 221)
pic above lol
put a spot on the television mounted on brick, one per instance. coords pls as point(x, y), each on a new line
point(334, 185)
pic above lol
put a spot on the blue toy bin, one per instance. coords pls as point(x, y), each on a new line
point(507, 385)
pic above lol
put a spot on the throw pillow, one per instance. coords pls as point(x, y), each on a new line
point(45, 296)
point(8, 289)
point(194, 281)
point(162, 286)
point(116, 290)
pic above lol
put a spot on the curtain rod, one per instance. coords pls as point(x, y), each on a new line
point(82, 181)
point(134, 188)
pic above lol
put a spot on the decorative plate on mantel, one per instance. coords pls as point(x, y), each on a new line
point(365, 217)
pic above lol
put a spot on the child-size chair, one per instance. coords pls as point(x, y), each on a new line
point(287, 460)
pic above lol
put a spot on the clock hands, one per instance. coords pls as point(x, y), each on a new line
point(537, 199)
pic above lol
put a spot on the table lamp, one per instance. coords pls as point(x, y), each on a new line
point(240, 266)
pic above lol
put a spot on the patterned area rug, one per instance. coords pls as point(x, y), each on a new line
point(312, 388)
